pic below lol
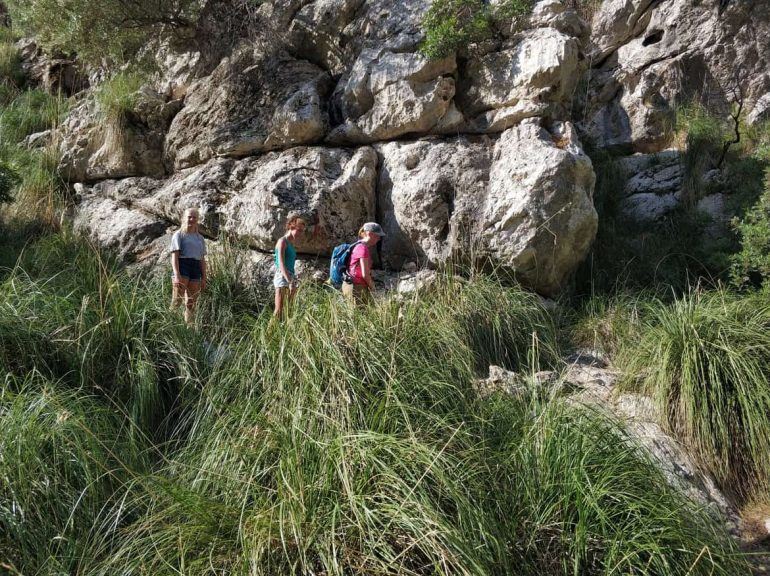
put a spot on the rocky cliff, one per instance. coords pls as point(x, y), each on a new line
point(333, 110)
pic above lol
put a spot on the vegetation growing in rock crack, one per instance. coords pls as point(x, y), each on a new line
point(452, 25)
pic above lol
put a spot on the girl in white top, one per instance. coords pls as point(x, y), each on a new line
point(188, 263)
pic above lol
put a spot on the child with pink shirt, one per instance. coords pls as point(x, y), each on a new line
point(360, 266)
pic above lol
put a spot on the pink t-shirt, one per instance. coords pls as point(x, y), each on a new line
point(354, 268)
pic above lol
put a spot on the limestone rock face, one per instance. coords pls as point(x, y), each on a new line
point(554, 14)
point(538, 218)
point(525, 204)
point(335, 187)
point(391, 94)
point(130, 233)
point(252, 102)
point(541, 68)
point(277, 127)
point(429, 190)
point(249, 199)
point(654, 185)
point(93, 148)
point(52, 72)
point(648, 56)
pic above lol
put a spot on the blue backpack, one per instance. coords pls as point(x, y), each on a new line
point(338, 268)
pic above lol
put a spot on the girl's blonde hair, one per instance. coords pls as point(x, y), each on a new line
point(292, 220)
point(192, 210)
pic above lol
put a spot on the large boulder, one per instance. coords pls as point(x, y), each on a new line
point(538, 218)
point(524, 206)
point(131, 234)
point(429, 191)
point(388, 94)
point(254, 101)
point(335, 188)
point(526, 80)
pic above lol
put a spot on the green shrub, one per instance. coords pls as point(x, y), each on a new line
point(705, 358)
point(102, 30)
point(451, 25)
point(595, 504)
point(752, 263)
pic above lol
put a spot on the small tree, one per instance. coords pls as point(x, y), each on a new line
point(99, 30)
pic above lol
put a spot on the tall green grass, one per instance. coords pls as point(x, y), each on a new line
point(342, 441)
point(705, 358)
point(36, 189)
point(118, 96)
point(32, 111)
point(63, 457)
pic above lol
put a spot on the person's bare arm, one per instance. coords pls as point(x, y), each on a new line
point(366, 271)
point(282, 261)
point(203, 273)
point(175, 265)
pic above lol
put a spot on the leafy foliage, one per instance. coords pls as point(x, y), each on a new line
point(102, 30)
point(450, 25)
point(752, 264)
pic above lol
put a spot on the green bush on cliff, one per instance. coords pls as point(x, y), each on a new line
point(451, 25)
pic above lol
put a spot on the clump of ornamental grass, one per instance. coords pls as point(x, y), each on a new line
point(503, 325)
point(63, 456)
point(590, 501)
point(705, 358)
point(38, 189)
point(118, 97)
point(74, 315)
point(605, 323)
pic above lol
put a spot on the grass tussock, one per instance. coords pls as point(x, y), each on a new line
point(705, 358)
point(32, 111)
point(29, 176)
point(340, 442)
point(118, 96)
